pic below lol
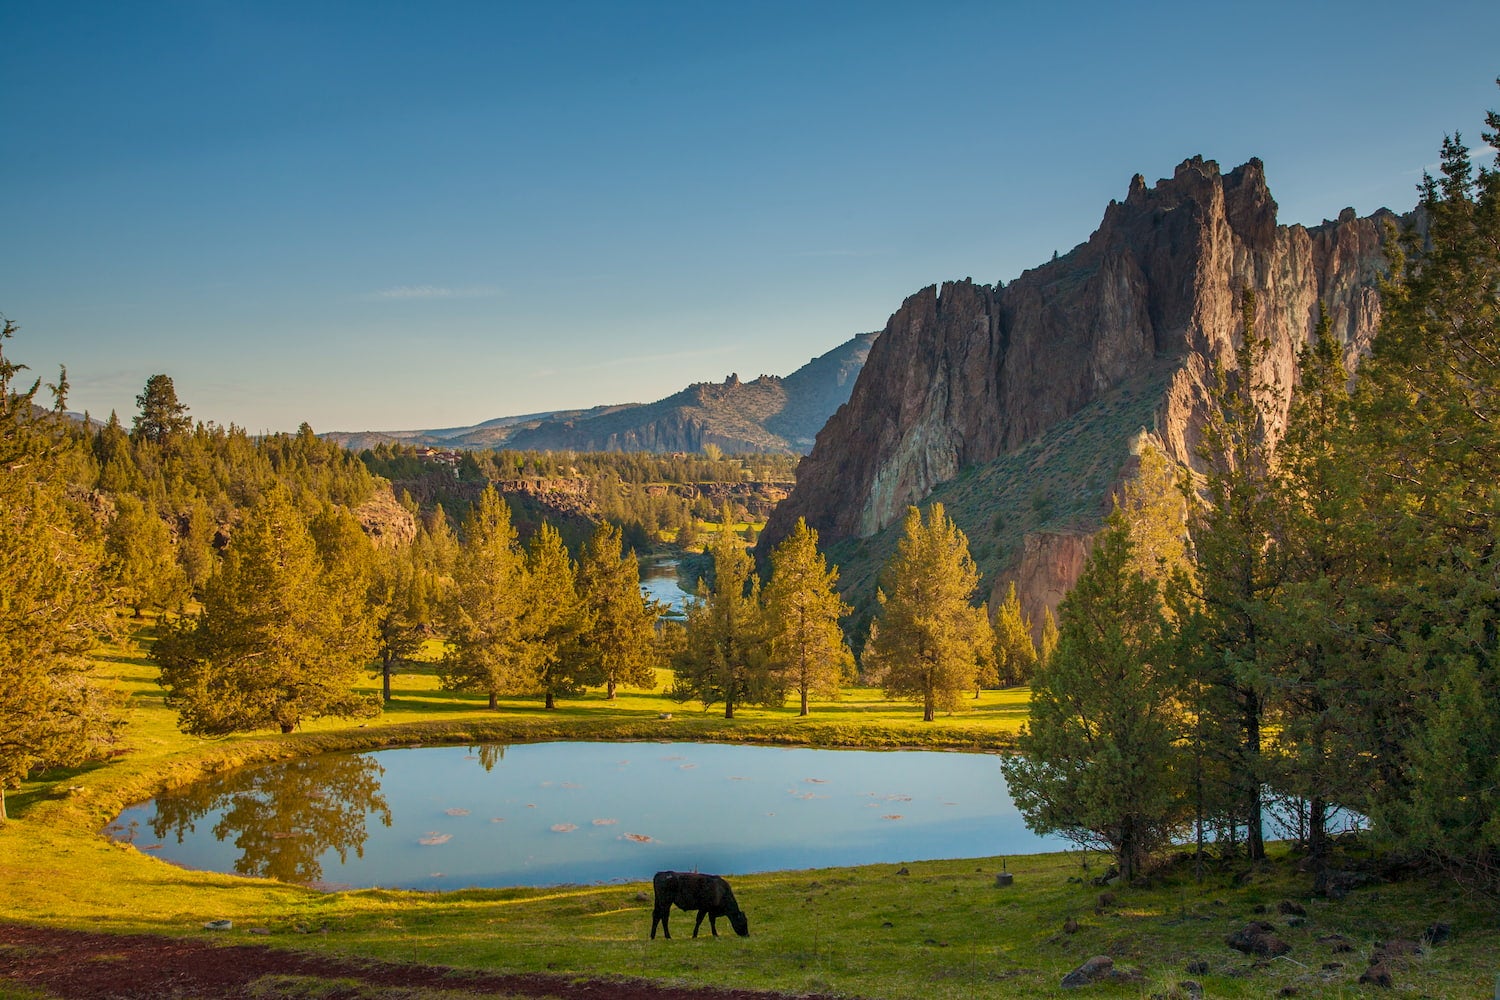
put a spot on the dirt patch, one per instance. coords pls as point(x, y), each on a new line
point(77, 965)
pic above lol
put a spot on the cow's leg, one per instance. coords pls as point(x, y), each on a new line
point(699, 922)
point(713, 924)
point(659, 915)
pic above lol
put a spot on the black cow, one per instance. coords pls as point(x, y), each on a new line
point(710, 895)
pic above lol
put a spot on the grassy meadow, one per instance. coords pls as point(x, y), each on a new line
point(930, 929)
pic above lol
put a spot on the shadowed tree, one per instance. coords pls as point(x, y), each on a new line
point(1096, 762)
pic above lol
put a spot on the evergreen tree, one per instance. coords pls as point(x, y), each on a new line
point(162, 418)
point(553, 621)
point(620, 642)
point(52, 600)
point(1048, 644)
point(485, 607)
point(1015, 653)
point(1238, 569)
point(274, 645)
point(1428, 409)
point(143, 557)
point(1320, 683)
point(803, 608)
point(932, 642)
point(400, 601)
point(1096, 761)
point(723, 659)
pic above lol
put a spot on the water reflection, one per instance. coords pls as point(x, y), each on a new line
point(554, 813)
point(283, 817)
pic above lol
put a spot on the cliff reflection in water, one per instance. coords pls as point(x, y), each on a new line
point(283, 817)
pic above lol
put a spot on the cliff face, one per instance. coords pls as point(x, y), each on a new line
point(965, 374)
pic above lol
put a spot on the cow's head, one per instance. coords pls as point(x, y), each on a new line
point(740, 923)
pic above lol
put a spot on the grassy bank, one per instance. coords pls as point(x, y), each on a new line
point(929, 929)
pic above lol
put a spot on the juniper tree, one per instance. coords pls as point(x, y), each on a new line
point(1096, 761)
point(53, 603)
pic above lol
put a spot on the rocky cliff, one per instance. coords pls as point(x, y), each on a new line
point(1022, 376)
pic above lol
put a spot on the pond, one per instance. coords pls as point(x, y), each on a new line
point(563, 813)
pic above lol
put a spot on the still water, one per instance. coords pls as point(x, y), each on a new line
point(558, 813)
point(659, 583)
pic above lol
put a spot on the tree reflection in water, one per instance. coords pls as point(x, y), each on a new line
point(283, 817)
point(490, 754)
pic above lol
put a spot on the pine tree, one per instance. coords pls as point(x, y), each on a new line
point(553, 621)
point(1238, 568)
point(485, 607)
point(1048, 644)
point(723, 659)
point(932, 641)
point(400, 601)
point(1320, 682)
point(1015, 653)
point(53, 603)
point(275, 644)
point(620, 641)
point(803, 608)
point(1428, 409)
point(1096, 761)
point(143, 557)
point(162, 418)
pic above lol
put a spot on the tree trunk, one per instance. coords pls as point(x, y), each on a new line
point(804, 702)
point(385, 679)
point(493, 703)
point(609, 688)
point(287, 727)
point(1255, 838)
point(550, 704)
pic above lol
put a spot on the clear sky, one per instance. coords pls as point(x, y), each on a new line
point(374, 215)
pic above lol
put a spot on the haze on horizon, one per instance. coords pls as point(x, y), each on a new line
point(379, 216)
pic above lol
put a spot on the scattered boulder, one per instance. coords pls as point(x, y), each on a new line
point(1100, 968)
point(1287, 991)
point(1376, 975)
point(1394, 953)
point(1258, 938)
point(1106, 899)
point(1197, 967)
point(1437, 934)
point(1340, 944)
point(1289, 908)
point(1097, 968)
point(903, 870)
point(1070, 926)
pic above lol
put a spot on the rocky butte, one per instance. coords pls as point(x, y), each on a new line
point(1018, 405)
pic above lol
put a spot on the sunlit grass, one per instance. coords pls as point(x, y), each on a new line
point(929, 929)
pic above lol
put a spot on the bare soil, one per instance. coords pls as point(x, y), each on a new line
point(77, 965)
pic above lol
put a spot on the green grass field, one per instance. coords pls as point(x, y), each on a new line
point(939, 929)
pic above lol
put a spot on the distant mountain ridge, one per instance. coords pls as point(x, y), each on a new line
point(768, 414)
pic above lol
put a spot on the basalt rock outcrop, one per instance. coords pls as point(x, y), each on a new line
point(966, 374)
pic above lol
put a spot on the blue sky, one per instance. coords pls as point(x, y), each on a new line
point(395, 215)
